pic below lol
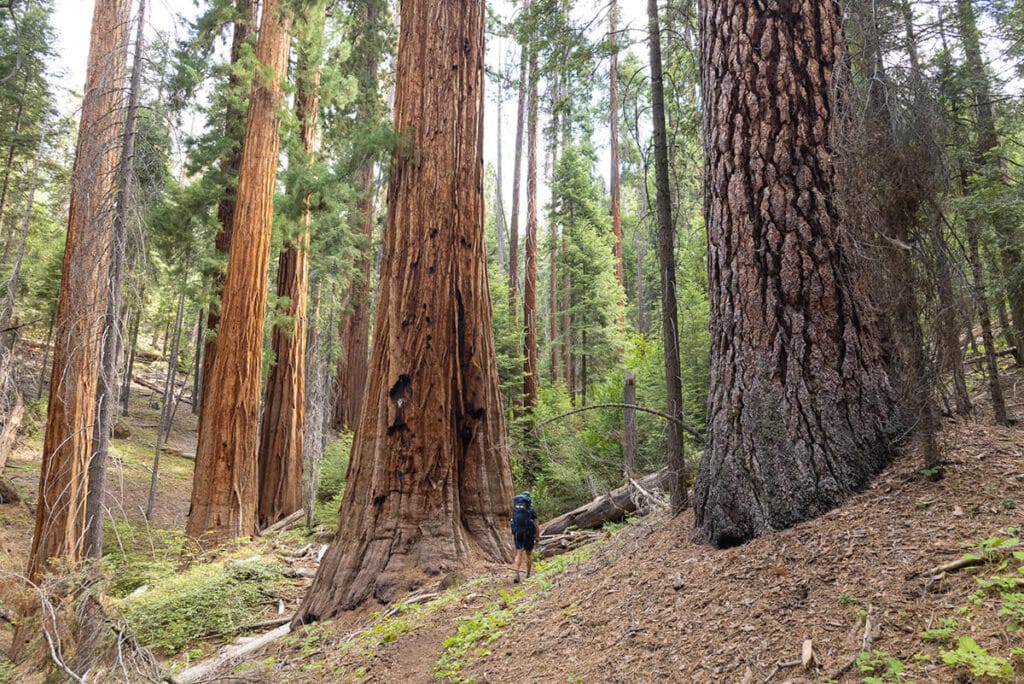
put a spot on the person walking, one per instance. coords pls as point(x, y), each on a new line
point(525, 532)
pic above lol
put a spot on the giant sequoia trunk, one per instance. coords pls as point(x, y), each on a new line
point(234, 129)
point(67, 444)
point(282, 428)
point(224, 485)
point(429, 487)
point(800, 403)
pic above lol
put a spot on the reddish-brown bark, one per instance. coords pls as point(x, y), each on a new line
point(282, 427)
point(800, 412)
point(234, 128)
point(429, 486)
point(224, 491)
point(67, 444)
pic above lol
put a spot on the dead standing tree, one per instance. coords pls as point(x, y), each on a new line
point(67, 444)
point(429, 486)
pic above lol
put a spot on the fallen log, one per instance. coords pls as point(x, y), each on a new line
point(205, 670)
point(610, 507)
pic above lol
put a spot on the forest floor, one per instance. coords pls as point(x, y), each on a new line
point(857, 586)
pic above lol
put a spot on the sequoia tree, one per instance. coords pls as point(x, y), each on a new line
point(429, 486)
point(282, 427)
point(224, 485)
point(67, 444)
point(800, 406)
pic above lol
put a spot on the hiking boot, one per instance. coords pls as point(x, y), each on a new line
point(515, 580)
point(527, 574)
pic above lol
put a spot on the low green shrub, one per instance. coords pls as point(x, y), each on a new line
point(333, 469)
point(216, 599)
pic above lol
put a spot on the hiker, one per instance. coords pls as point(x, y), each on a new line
point(525, 531)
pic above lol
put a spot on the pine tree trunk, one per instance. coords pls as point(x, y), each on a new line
point(67, 444)
point(501, 237)
point(283, 424)
point(197, 371)
point(133, 343)
point(46, 353)
point(9, 165)
point(984, 317)
point(800, 409)
point(234, 129)
point(531, 371)
point(947, 323)
point(106, 391)
point(553, 279)
point(429, 487)
point(667, 260)
point(224, 492)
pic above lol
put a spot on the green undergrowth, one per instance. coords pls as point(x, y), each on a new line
point(6, 671)
point(478, 631)
point(215, 599)
point(1000, 591)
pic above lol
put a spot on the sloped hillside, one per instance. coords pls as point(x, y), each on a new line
point(647, 605)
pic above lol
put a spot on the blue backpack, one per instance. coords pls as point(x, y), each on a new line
point(522, 515)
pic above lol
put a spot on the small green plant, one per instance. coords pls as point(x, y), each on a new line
point(846, 600)
point(6, 671)
point(933, 473)
point(881, 667)
point(972, 657)
point(986, 549)
point(474, 632)
point(943, 633)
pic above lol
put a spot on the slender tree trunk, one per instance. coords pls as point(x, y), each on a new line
point(67, 444)
point(133, 344)
point(316, 404)
point(46, 354)
point(234, 129)
point(197, 374)
point(10, 163)
point(354, 328)
point(553, 281)
point(983, 315)
point(429, 486)
point(613, 121)
point(12, 281)
point(283, 425)
point(501, 238)
point(1008, 230)
point(800, 412)
point(629, 428)
point(531, 372)
point(667, 260)
point(106, 391)
point(163, 428)
point(947, 323)
point(517, 165)
point(224, 492)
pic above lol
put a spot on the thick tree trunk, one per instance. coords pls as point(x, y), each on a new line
point(106, 392)
point(283, 424)
point(531, 371)
point(667, 260)
point(800, 409)
point(429, 486)
point(234, 129)
point(224, 491)
point(67, 444)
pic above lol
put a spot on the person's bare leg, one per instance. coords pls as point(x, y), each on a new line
point(529, 563)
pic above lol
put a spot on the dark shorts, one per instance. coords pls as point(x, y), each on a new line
point(524, 540)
